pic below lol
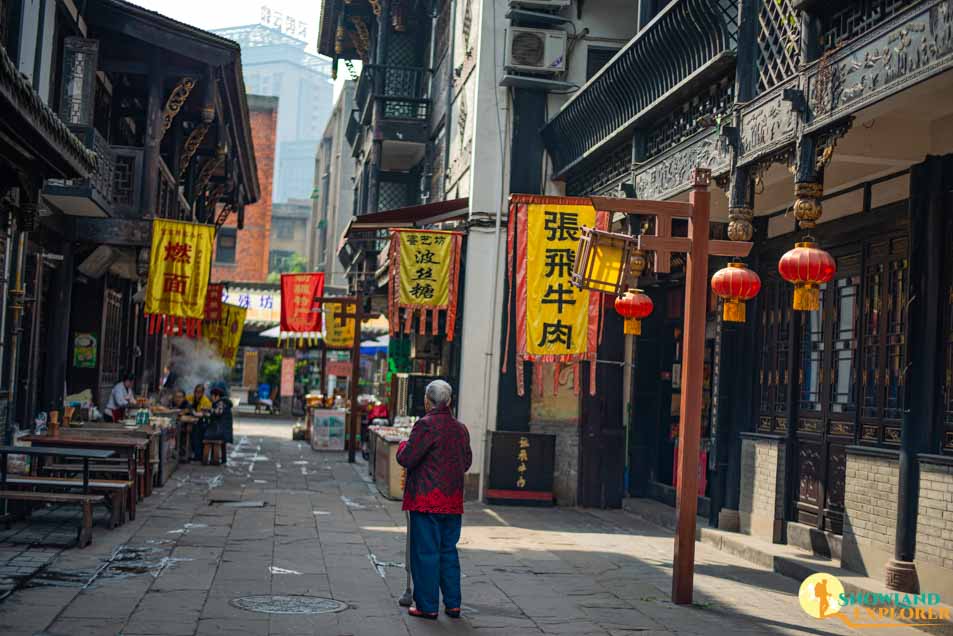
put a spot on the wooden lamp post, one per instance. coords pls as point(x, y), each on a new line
point(698, 247)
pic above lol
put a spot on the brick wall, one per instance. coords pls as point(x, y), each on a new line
point(761, 504)
point(870, 511)
point(251, 261)
point(934, 555)
point(566, 469)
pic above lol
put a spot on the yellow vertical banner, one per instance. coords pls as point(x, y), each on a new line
point(557, 313)
point(425, 268)
point(179, 266)
point(226, 334)
point(337, 334)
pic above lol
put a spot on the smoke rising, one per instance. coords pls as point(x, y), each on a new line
point(195, 361)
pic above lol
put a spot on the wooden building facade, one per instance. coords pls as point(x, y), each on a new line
point(156, 112)
point(822, 427)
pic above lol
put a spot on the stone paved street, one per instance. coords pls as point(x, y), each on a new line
point(281, 519)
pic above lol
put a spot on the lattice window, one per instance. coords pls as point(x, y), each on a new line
point(779, 43)
point(393, 194)
point(79, 80)
point(111, 347)
point(694, 115)
point(124, 180)
point(812, 357)
point(845, 21)
point(774, 370)
point(602, 177)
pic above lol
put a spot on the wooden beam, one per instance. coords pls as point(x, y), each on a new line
point(132, 67)
point(123, 232)
point(731, 249)
point(673, 209)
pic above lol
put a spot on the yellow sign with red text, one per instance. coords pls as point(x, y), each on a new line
point(179, 266)
point(225, 334)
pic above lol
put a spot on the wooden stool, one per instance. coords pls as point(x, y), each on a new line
point(212, 452)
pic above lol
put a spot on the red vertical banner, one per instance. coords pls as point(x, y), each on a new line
point(299, 312)
point(213, 301)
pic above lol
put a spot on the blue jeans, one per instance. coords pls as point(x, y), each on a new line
point(434, 563)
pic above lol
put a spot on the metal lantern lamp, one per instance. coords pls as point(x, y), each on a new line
point(808, 267)
point(735, 284)
point(634, 305)
point(606, 262)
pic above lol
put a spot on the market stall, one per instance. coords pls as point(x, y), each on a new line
point(387, 473)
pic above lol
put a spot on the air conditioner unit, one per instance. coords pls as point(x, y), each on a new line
point(541, 4)
point(541, 51)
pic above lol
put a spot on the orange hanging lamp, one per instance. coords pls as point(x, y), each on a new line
point(808, 267)
point(634, 305)
point(735, 284)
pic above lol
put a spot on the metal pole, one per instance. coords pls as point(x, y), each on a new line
point(693, 353)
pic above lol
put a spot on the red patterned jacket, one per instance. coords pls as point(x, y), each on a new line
point(436, 457)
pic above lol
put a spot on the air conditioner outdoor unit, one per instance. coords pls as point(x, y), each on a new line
point(541, 4)
point(540, 51)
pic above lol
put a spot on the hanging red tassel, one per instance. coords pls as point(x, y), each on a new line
point(592, 376)
point(520, 375)
point(198, 328)
point(556, 367)
point(576, 377)
point(408, 321)
point(422, 325)
point(435, 316)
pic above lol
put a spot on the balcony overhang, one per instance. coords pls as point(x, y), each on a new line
point(411, 216)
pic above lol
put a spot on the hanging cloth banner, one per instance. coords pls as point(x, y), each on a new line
point(337, 334)
point(180, 263)
point(213, 301)
point(556, 323)
point(226, 333)
point(424, 279)
point(299, 312)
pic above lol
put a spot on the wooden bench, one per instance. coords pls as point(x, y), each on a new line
point(117, 470)
point(213, 452)
point(85, 534)
point(116, 491)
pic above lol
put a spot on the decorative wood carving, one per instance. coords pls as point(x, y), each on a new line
point(671, 173)
point(176, 100)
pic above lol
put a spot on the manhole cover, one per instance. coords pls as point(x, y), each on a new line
point(270, 604)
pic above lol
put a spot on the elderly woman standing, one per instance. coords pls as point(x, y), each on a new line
point(437, 456)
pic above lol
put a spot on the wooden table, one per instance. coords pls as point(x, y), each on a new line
point(130, 448)
point(85, 454)
point(85, 500)
point(109, 429)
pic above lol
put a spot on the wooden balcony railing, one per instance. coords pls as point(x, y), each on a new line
point(403, 93)
point(686, 45)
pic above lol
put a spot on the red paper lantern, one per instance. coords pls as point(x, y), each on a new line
point(634, 305)
point(735, 284)
point(808, 267)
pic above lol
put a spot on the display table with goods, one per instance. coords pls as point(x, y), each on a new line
point(383, 444)
point(327, 428)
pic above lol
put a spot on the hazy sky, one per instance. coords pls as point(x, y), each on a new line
point(215, 14)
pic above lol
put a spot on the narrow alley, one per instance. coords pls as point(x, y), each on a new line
point(282, 520)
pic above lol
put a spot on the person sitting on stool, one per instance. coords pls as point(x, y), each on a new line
point(220, 421)
point(201, 406)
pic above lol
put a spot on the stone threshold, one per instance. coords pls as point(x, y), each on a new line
point(790, 561)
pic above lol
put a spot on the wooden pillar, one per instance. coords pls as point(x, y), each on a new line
point(57, 355)
point(153, 136)
point(380, 58)
point(324, 370)
point(693, 353)
point(929, 185)
point(355, 419)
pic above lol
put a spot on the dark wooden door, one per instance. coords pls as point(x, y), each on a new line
point(827, 403)
point(601, 430)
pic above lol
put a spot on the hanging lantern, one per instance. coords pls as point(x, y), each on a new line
point(634, 305)
point(735, 285)
point(808, 267)
point(606, 262)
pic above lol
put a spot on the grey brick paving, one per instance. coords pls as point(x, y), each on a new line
point(176, 568)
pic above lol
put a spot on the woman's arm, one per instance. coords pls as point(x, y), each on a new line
point(413, 451)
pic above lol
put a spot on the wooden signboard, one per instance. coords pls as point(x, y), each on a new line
point(521, 469)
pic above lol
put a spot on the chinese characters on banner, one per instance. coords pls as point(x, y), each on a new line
point(424, 279)
point(522, 457)
point(556, 323)
point(179, 267)
point(299, 312)
point(287, 376)
point(213, 301)
point(337, 334)
point(226, 333)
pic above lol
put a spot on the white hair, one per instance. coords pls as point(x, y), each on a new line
point(439, 393)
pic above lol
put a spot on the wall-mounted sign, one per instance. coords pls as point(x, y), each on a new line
point(287, 377)
point(521, 468)
point(84, 351)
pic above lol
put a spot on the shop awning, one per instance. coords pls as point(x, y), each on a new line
point(411, 216)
